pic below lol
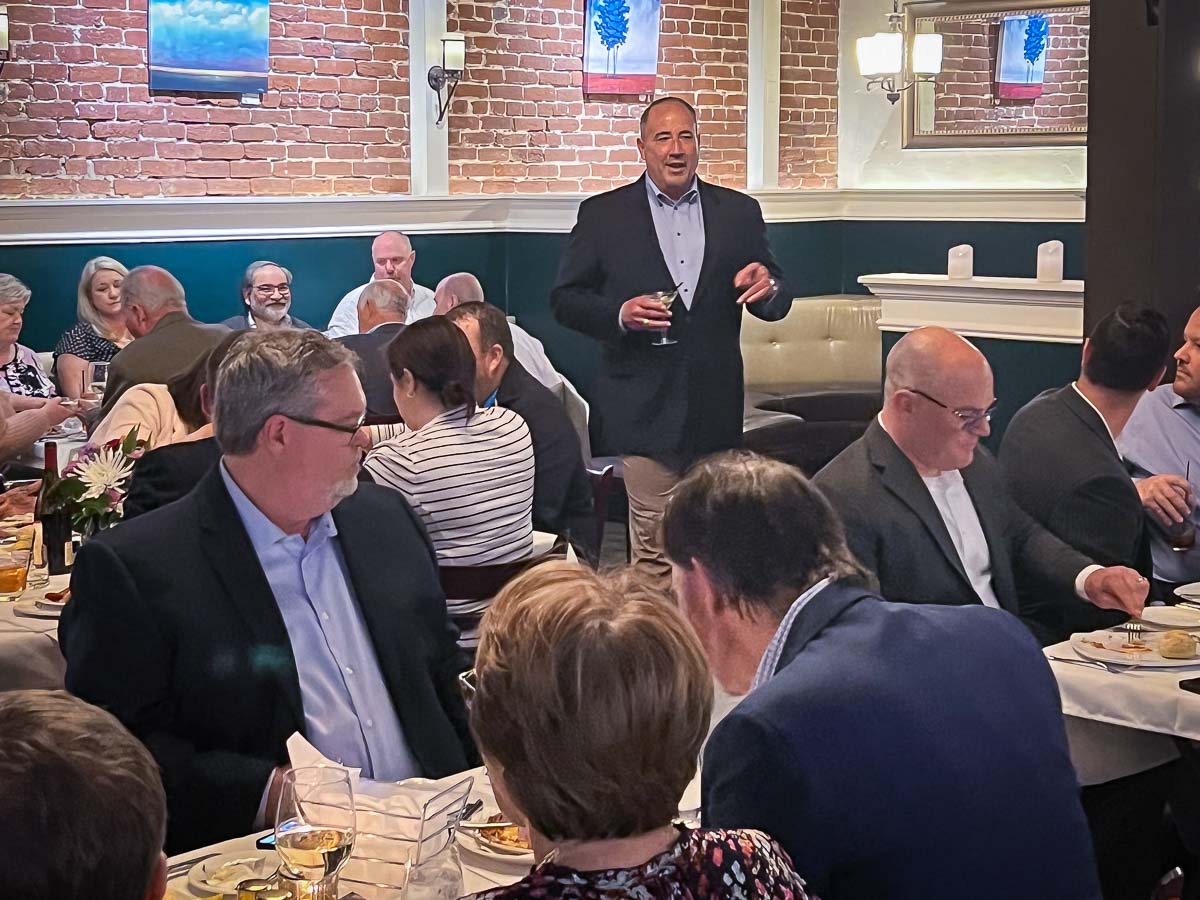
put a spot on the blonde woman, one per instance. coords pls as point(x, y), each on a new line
point(590, 701)
point(100, 331)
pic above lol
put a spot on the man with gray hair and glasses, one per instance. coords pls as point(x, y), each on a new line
point(85, 801)
point(266, 298)
point(926, 508)
point(279, 596)
point(167, 339)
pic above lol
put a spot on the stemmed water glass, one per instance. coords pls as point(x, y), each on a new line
point(314, 829)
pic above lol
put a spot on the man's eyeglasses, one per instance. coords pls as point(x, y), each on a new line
point(969, 416)
point(332, 426)
point(267, 290)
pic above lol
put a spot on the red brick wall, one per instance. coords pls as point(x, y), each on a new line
point(523, 115)
point(808, 60)
point(80, 120)
point(965, 94)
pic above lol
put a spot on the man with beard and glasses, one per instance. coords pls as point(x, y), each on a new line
point(267, 296)
point(279, 596)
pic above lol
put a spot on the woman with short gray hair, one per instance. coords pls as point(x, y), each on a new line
point(20, 373)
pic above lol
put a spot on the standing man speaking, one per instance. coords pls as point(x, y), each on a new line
point(662, 406)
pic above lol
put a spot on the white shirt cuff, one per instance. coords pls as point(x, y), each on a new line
point(1081, 578)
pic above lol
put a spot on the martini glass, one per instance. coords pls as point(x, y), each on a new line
point(666, 298)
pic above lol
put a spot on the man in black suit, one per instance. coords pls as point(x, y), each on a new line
point(899, 751)
point(164, 475)
point(562, 492)
point(279, 596)
point(1061, 463)
point(382, 311)
point(661, 407)
point(926, 509)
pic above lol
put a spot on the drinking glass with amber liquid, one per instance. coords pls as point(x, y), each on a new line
point(14, 568)
point(314, 830)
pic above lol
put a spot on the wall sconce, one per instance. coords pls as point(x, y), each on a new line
point(448, 74)
point(881, 57)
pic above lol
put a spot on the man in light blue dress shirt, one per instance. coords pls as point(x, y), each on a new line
point(1161, 444)
point(279, 596)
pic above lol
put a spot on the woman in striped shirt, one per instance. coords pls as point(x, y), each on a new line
point(467, 472)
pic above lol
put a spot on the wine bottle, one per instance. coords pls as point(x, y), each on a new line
point(56, 524)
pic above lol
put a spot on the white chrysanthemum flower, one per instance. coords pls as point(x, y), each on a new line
point(105, 471)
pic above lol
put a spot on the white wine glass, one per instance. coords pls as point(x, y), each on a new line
point(666, 298)
point(98, 378)
point(314, 829)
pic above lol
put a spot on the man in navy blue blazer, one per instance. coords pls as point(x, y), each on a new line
point(894, 750)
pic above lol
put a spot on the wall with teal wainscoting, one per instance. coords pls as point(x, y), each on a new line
point(518, 270)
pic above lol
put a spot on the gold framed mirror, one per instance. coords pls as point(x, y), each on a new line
point(1014, 74)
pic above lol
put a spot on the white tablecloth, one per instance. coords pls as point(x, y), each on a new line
point(29, 654)
point(1121, 724)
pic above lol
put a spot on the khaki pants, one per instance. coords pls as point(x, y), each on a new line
point(649, 485)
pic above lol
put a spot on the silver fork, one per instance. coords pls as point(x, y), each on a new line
point(1135, 630)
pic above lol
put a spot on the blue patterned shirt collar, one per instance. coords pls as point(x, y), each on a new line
point(770, 658)
point(691, 195)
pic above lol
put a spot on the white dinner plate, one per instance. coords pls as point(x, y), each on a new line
point(1189, 591)
point(30, 609)
point(230, 869)
point(470, 840)
point(1172, 616)
point(1085, 644)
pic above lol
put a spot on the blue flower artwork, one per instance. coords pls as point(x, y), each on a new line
point(210, 46)
point(1021, 60)
point(620, 46)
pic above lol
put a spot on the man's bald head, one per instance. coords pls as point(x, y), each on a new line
point(932, 358)
point(461, 287)
point(393, 257)
point(149, 293)
point(937, 388)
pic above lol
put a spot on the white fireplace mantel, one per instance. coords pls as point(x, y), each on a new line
point(1016, 309)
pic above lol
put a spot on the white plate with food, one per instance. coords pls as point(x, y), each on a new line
point(222, 874)
point(1172, 616)
point(1118, 647)
point(508, 844)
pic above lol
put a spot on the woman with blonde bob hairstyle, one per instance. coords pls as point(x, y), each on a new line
point(591, 700)
point(100, 331)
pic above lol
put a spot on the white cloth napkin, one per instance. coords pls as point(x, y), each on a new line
point(391, 818)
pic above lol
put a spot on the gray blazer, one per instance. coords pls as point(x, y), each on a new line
point(894, 528)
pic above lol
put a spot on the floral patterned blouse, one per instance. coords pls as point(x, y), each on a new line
point(24, 376)
point(704, 864)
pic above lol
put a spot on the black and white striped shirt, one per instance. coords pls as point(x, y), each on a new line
point(470, 481)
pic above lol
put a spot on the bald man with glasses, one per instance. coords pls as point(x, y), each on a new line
point(926, 508)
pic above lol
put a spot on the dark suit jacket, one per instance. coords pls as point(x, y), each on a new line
point(907, 752)
point(164, 475)
point(682, 401)
point(173, 628)
point(371, 350)
point(242, 323)
point(894, 528)
point(1063, 468)
point(170, 349)
point(562, 492)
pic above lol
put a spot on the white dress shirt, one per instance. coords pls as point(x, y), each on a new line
point(344, 320)
point(949, 493)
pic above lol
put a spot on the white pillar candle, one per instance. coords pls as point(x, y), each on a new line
point(961, 263)
point(1050, 261)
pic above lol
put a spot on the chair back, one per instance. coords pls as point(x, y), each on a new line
point(469, 589)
